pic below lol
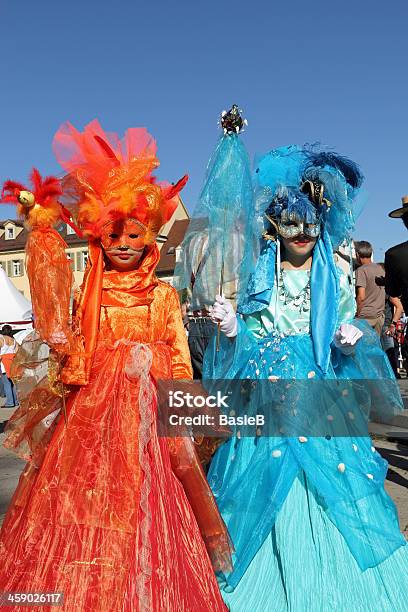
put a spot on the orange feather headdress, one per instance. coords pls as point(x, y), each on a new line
point(110, 179)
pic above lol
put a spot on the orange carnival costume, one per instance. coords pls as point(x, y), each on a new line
point(106, 511)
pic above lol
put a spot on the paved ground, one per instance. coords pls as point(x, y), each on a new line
point(390, 441)
point(10, 468)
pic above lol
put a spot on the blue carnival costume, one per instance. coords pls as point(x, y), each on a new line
point(305, 505)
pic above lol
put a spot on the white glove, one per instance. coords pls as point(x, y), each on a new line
point(223, 313)
point(346, 338)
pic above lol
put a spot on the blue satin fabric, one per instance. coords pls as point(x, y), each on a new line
point(251, 476)
point(261, 282)
point(325, 297)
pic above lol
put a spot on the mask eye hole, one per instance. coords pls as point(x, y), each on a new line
point(113, 235)
point(134, 236)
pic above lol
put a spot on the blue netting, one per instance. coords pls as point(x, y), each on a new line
point(215, 247)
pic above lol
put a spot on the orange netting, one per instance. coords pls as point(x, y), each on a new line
point(108, 517)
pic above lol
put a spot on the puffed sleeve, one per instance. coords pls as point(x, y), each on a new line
point(254, 324)
point(176, 339)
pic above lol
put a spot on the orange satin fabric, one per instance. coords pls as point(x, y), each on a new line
point(87, 308)
point(113, 515)
point(134, 288)
point(139, 307)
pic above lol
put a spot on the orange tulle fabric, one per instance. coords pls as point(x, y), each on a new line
point(35, 371)
point(106, 511)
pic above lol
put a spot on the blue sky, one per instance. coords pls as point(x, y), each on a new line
point(302, 72)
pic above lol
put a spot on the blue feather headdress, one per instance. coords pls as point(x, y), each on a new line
point(310, 184)
point(295, 203)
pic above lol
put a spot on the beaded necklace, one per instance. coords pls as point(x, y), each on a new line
point(300, 301)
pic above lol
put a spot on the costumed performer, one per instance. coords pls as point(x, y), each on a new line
point(107, 512)
point(303, 496)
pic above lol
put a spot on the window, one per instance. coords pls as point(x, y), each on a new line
point(17, 267)
point(10, 233)
point(71, 258)
point(69, 230)
point(81, 259)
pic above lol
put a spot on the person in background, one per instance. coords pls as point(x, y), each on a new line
point(392, 313)
point(401, 341)
point(184, 313)
point(8, 346)
point(345, 259)
point(396, 261)
point(370, 293)
point(200, 326)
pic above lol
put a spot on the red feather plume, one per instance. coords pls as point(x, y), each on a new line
point(10, 191)
point(49, 187)
point(173, 190)
point(43, 189)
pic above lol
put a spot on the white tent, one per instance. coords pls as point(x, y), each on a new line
point(15, 309)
